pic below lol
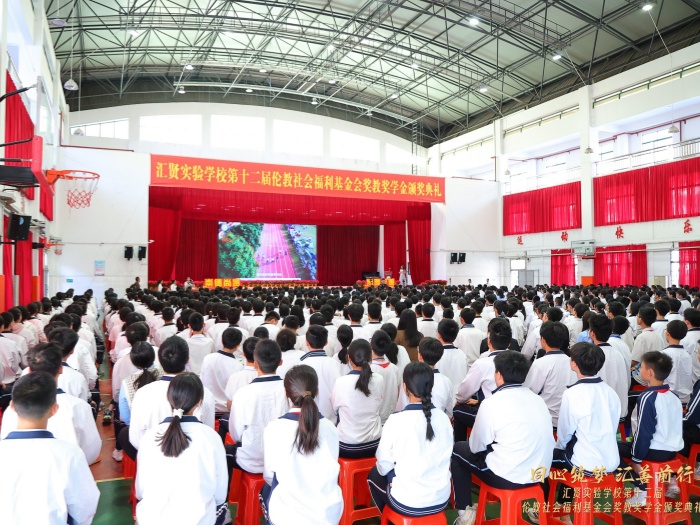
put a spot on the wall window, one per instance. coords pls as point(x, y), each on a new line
point(236, 132)
point(607, 150)
point(656, 139)
point(554, 163)
point(675, 268)
point(113, 129)
point(297, 138)
point(172, 129)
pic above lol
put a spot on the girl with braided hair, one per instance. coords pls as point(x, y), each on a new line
point(412, 474)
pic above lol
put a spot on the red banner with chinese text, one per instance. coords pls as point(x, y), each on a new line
point(186, 172)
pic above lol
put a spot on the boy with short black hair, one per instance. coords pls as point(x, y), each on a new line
point(240, 379)
point(690, 341)
point(469, 338)
point(326, 367)
point(648, 339)
point(680, 380)
point(200, 345)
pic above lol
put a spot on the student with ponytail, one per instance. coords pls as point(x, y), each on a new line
point(382, 350)
point(357, 398)
point(182, 460)
point(301, 459)
point(412, 474)
point(344, 336)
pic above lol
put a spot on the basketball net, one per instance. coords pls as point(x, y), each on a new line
point(81, 186)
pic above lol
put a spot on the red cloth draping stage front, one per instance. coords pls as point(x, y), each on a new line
point(183, 226)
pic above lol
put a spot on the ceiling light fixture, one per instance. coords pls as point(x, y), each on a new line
point(507, 173)
point(181, 90)
point(673, 129)
point(556, 56)
point(189, 67)
point(483, 89)
point(369, 113)
point(414, 65)
point(588, 150)
point(133, 32)
point(58, 22)
point(331, 47)
point(71, 85)
point(263, 70)
point(314, 101)
point(332, 81)
point(78, 132)
point(248, 90)
point(648, 6)
point(394, 95)
point(473, 21)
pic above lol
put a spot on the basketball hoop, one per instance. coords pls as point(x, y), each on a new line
point(57, 248)
point(81, 186)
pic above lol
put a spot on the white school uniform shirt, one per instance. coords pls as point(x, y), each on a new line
point(421, 468)
point(615, 373)
point(372, 327)
point(657, 422)
point(73, 423)
point(442, 394)
point(86, 334)
point(628, 339)
point(185, 489)
point(304, 486)
point(659, 326)
point(218, 342)
point(469, 341)
point(72, 382)
point(428, 327)
point(272, 330)
point(155, 323)
point(618, 344)
point(575, 326)
point(684, 304)
point(533, 342)
point(122, 369)
point(674, 316)
point(253, 407)
point(479, 380)
point(680, 380)
point(208, 325)
point(163, 333)
point(344, 368)
point(549, 377)
point(516, 325)
point(358, 415)
point(327, 371)
point(358, 332)
point(481, 324)
point(589, 413)
point(200, 347)
point(21, 346)
point(647, 341)
point(82, 361)
point(216, 331)
point(239, 380)
point(453, 364)
point(119, 345)
point(216, 370)
point(515, 423)
point(402, 360)
point(290, 358)
point(690, 343)
point(634, 325)
point(251, 322)
point(488, 313)
point(392, 383)
point(29, 335)
point(150, 406)
point(44, 481)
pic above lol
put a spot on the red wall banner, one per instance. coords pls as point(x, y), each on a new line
point(186, 172)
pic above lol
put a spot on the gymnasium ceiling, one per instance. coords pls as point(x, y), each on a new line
point(424, 70)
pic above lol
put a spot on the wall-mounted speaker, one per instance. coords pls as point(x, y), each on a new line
point(142, 253)
point(128, 252)
point(462, 257)
point(18, 228)
point(453, 257)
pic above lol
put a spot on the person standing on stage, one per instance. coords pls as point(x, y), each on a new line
point(402, 276)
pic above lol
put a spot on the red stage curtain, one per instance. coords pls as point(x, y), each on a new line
point(675, 189)
point(164, 230)
point(46, 201)
point(23, 268)
point(394, 247)
point(689, 258)
point(344, 252)
point(563, 269)
point(544, 210)
point(622, 198)
point(621, 265)
point(197, 253)
point(419, 242)
point(41, 269)
point(18, 126)
point(7, 268)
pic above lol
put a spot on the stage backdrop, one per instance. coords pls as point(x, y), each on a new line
point(183, 223)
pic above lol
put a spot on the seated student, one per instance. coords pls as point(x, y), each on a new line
point(326, 368)
point(551, 375)
point(217, 369)
point(479, 380)
point(511, 438)
point(73, 421)
point(402, 357)
point(480, 322)
point(584, 336)
point(616, 309)
point(659, 325)
point(136, 333)
point(9, 322)
point(287, 341)
point(533, 341)
point(374, 316)
point(253, 406)
point(301, 458)
point(453, 362)
point(690, 341)
point(44, 480)
point(427, 325)
point(657, 423)
point(408, 335)
point(648, 340)
point(356, 312)
point(121, 347)
point(344, 337)
point(240, 379)
point(220, 323)
point(271, 321)
point(430, 352)
point(620, 327)
point(469, 338)
point(168, 329)
point(70, 381)
point(150, 404)
point(412, 474)
point(200, 345)
point(190, 456)
point(233, 316)
point(614, 371)
point(384, 359)
point(680, 379)
point(691, 420)
point(575, 322)
point(357, 399)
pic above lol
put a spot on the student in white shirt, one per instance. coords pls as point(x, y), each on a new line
point(200, 345)
point(575, 323)
point(250, 323)
point(690, 341)
point(550, 375)
point(44, 480)
point(469, 338)
point(71, 380)
point(533, 341)
point(326, 368)
point(287, 341)
point(167, 329)
point(356, 312)
point(427, 325)
point(648, 339)
point(357, 399)
point(344, 337)
point(412, 474)
point(384, 359)
point(620, 327)
point(182, 460)
point(680, 381)
point(374, 315)
point(402, 357)
point(216, 371)
point(614, 371)
point(221, 323)
point(659, 325)
point(453, 362)
point(234, 317)
point(240, 379)
point(272, 324)
point(301, 459)
point(8, 320)
point(511, 438)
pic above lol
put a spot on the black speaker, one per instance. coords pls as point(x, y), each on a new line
point(18, 229)
point(142, 252)
point(453, 257)
point(128, 252)
point(462, 257)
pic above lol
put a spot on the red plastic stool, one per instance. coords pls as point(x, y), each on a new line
point(129, 466)
point(249, 511)
point(694, 488)
point(234, 492)
point(623, 433)
point(229, 440)
point(389, 515)
point(586, 498)
point(216, 425)
point(353, 484)
point(654, 511)
point(511, 504)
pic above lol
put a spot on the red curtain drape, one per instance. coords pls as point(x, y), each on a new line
point(544, 210)
point(563, 268)
point(23, 269)
point(621, 265)
point(419, 242)
point(675, 189)
point(46, 201)
point(689, 258)
point(41, 269)
point(7, 267)
point(622, 198)
point(394, 247)
point(345, 252)
point(18, 126)
point(164, 230)
point(197, 251)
